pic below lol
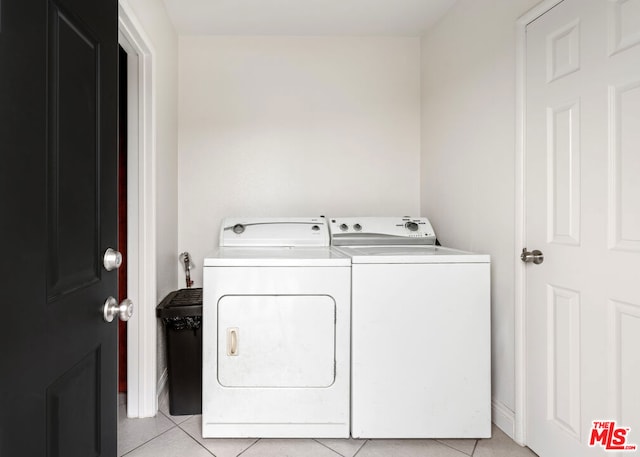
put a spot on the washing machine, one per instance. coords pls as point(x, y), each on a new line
point(420, 331)
point(276, 331)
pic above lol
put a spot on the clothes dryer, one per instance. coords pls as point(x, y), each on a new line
point(276, 326)
point(421, 359)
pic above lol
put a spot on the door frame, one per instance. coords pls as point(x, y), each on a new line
point(142, 383)
point(520, 304)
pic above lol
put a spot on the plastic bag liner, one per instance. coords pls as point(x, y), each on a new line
point(182, 309)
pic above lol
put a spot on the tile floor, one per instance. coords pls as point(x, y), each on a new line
point(179, 436)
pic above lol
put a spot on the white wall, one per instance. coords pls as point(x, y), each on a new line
point(289, 126)
point(156, 24)
point(468, 151)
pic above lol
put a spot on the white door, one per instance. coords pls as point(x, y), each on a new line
point(582, 210)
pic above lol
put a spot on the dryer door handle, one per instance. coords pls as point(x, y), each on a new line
point(232, 341)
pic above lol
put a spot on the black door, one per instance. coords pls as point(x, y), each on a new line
point(58, 138)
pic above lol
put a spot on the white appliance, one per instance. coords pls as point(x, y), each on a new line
point(420, 360)
point(276, 329)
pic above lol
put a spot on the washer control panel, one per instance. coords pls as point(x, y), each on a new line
point(359, 231)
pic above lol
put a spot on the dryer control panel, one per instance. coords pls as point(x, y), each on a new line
point(366, 230)
point(274, 232)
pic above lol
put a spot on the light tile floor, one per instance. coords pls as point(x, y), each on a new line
point(179, 436)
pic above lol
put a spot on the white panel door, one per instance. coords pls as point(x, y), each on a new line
point(276, 340)
point(582, 210)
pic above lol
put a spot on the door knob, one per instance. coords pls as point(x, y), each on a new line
point(112, 259)
point(124, 310)
point(534, 256)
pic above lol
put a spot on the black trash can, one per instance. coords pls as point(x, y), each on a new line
point(181, 313)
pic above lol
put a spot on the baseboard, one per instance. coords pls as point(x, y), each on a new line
point(504, 418)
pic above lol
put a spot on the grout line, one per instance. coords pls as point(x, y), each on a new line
point(361, 447)
point(202, 444)
point(181, 423)
point(462, 452)
point(322, 444)
point(184, 422)
point(149, 440)
point(255, 440)
point(196, 440)
point(474, 447)
point(170, 417)
point(254, 443)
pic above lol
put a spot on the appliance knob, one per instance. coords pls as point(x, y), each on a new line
point(357, 227)
point(315, 228)
point(238, 229)
point(412, 226)
point(344, 227)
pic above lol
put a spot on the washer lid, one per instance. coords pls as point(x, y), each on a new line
point(277, 257)
point(281, 231)
point(411, 254)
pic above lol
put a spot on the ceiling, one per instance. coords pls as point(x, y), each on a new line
point(305, 17)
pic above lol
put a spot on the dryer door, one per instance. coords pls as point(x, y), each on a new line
point(276, 340)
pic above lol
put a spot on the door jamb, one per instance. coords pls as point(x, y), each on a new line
point(520, 435)
point(142, 398)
